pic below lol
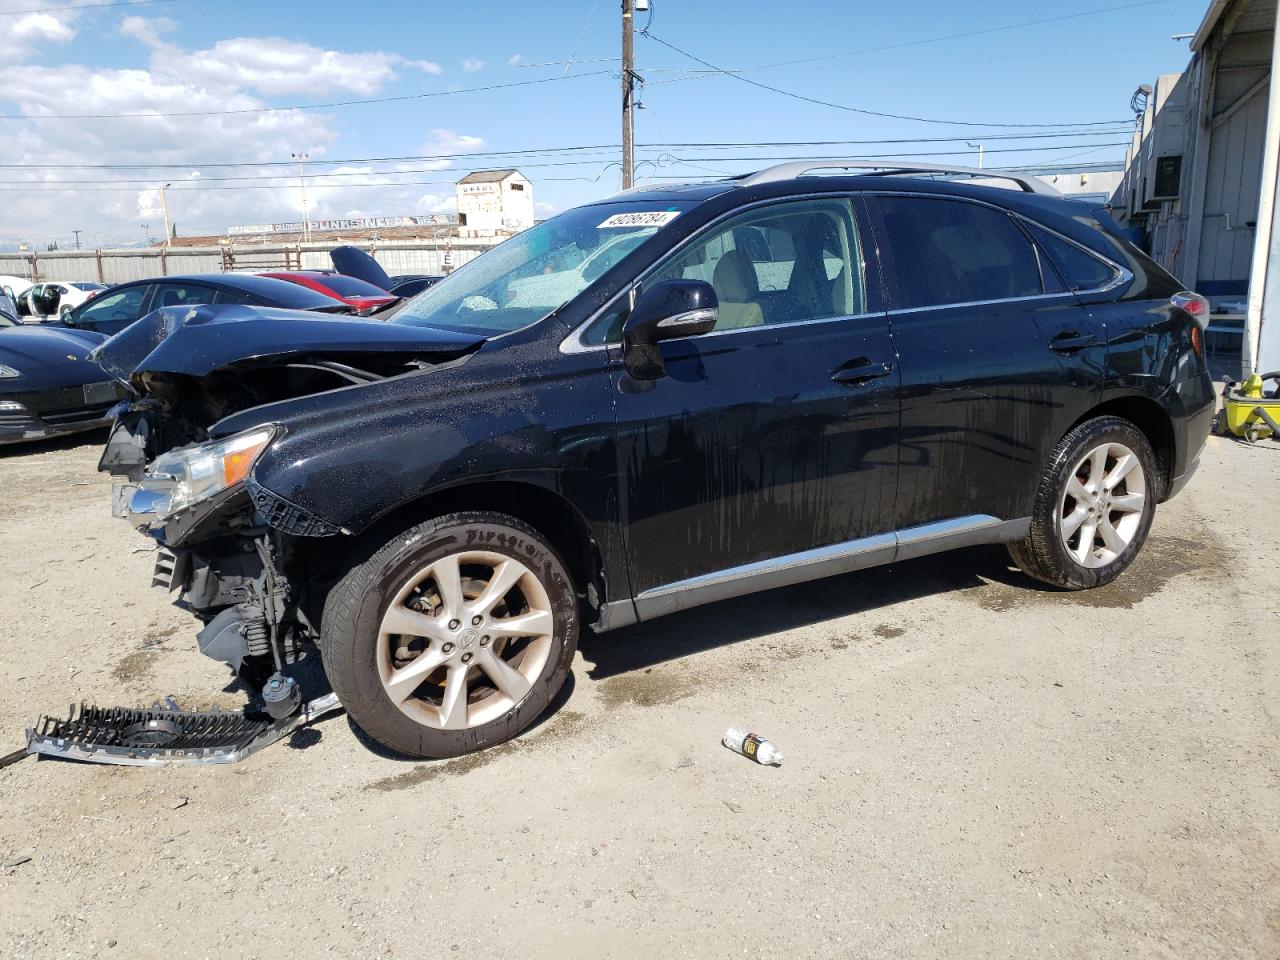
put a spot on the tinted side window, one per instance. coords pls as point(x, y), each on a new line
point(1080, 270)
point(950, 251)
point(784, 263)
point(235, 296)
point(180, 295)
point(115, 306)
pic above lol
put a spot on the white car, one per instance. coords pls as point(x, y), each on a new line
point(15, 288)
point(48, 301)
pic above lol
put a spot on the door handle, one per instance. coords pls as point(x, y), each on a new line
point(861, 370)
point(1071, 341)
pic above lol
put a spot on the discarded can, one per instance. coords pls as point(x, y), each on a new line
point(752, 746)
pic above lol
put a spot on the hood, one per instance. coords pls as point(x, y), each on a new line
point(354, 262)
point(47, 358)
point(197, 341)
point(30, 345)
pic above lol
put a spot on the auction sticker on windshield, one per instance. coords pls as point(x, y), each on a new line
point(653, 218)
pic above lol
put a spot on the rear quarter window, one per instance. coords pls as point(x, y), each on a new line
point(1079, 270)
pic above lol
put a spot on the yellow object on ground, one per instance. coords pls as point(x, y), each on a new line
point(1247, 413)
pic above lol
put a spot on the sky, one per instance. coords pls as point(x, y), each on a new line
point(104, 101)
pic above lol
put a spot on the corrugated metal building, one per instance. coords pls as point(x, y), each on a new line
point(1197, 186)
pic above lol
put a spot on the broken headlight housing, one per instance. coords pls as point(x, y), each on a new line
point(181, 478)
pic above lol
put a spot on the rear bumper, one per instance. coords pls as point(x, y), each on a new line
point(1190, 404)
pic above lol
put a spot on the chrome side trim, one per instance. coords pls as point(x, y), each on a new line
point(898, 311)
point(814, 564)
point(766, 574)
point(961, 532)
point(615, 614)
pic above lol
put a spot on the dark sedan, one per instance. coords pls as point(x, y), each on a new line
point(48, 386)
point(113, 310)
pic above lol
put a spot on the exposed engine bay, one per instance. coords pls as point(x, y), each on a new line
point(223, 541)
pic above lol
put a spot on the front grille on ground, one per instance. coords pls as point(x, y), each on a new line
point(157, 735)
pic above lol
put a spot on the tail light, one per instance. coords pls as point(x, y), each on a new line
point(1196, 307)
point(1192, 304)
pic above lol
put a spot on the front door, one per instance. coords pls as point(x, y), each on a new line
point(766, 454)
point(998, 360)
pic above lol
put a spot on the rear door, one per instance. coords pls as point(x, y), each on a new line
point(998, 358)
point(770, 443)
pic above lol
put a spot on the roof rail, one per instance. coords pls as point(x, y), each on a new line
point(796, 168)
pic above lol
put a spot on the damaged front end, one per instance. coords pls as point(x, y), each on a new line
point(241, 557)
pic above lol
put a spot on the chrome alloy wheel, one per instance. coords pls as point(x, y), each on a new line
point(1102, 507)
point(464, 639)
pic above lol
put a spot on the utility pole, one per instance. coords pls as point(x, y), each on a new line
point(628, 90)
point(980, 150)
point(146, 237)
point(77, 233)
point(302, 181)
point(164, 207)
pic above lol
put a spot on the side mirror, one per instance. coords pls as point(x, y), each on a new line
point(666, 311)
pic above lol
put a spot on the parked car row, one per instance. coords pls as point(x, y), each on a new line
point(48, 386)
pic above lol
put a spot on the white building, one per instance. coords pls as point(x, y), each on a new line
point(1201, 175)
point(492, 202)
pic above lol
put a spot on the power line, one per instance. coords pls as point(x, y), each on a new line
point(589, 148)
point(861, 110)
point(301, 106)
point(198, 185)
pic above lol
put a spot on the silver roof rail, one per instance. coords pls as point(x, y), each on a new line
point(797, 168)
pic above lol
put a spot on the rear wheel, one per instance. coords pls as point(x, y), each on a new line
point(453, 636)
point(1094, 506)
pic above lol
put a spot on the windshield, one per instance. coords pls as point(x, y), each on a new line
point(523, 279)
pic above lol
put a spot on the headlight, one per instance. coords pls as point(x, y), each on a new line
point(8, 373)
point(191, 475)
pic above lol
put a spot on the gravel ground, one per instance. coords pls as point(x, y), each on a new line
point(976, 767)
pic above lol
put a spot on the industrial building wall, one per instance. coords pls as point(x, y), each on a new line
point(117, 266)
point(1235, 164)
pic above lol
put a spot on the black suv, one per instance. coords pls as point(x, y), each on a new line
point(674, 396)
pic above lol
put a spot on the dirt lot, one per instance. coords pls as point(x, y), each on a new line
point(975, 768)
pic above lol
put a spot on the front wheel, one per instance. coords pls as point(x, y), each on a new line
point(1094, 506)
point(453, 636)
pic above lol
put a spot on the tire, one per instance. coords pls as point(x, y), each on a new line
point(402, 688)
point(63, 314)
point(1053, 555)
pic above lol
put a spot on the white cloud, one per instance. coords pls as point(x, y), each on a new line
point(544, 209)
point(472, 65)
point(233, 74)
point(40, 27)
point(272, 66)
point(446, 141)
point(514, 60)
point(146, 29)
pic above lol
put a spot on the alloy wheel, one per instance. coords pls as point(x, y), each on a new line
point(464, 639)
point(1102, 506)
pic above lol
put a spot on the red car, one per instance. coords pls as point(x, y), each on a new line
point(364, 297)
